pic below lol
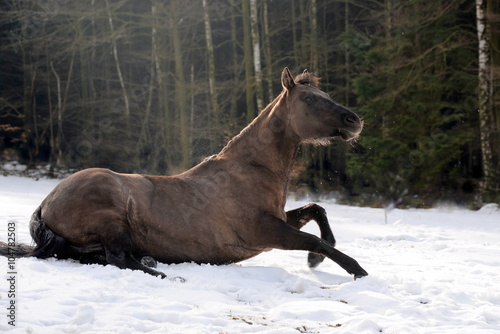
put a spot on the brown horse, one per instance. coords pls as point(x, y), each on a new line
point(226, 209)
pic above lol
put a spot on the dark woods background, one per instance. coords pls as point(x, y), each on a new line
point(156, 86)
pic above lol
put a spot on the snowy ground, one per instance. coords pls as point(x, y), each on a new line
point(431, 271)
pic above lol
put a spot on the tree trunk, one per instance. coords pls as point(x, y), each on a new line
point(234, 56)
point(53, 155)
point(247, 50)
point(493, 16)
point(347, 55)
point(296, 52)
point(144, 137)
point(304, 33)
point(314, 37)
point(191, 105)
point(388, 40)
point(388, 18)
point(163, 156)
point(118, 67)
point(29, 75)
point(486, 120)
point(211, 71)
point(180, 89)
point(93, 49)
point(256, 54)
point(58, 140)
point(268, 52)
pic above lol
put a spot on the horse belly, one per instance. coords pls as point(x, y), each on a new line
point(212, 255)
point(199, 240)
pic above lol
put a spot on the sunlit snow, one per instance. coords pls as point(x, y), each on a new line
point(431, 271)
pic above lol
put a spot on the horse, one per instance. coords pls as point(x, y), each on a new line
point(226, 209)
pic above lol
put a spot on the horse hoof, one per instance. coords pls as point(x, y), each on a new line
point(361, 274)
point(314, 260)
point(148, 261)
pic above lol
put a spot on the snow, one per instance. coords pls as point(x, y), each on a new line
point(431, 271)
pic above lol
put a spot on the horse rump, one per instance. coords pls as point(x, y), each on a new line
point(48, 244)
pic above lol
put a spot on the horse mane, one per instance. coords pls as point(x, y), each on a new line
point(242, 133)
point(307, 79)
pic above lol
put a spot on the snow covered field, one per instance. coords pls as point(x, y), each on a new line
point(431, 271)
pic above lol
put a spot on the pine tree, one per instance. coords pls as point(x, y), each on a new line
point(411, 94)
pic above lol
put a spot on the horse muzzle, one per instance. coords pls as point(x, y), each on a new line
point(353, 126)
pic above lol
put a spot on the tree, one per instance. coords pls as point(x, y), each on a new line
point(29, 62)
point(486, 115)
point(211, 64)
point(248, 57)
point(180, 88)
point(234, 57)
point(493, 18)
point(254, 28)
point(411, 89)
point(117, 63)
point(314, 36)
point(268, 52)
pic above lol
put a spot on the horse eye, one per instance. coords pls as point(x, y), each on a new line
point(308, 99)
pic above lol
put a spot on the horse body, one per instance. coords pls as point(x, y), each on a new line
point(147, 210)
point(218, 201)
point(226, 209)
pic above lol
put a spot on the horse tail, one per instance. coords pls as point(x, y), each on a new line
point(10, 250)
point(48, 244)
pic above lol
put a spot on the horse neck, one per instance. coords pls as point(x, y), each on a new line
point(266, 142)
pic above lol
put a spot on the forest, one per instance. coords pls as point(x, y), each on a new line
point(156, 86)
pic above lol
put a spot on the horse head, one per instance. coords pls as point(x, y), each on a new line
point(312, 114)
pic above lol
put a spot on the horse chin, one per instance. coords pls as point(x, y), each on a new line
point(319, 141)
point(347, 135)
point(325, 141)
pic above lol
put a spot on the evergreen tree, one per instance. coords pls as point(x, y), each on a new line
point(416, 91)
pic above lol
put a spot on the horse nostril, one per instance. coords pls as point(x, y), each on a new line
point(349, 119)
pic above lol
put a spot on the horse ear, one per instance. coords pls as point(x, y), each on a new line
point(287, 79)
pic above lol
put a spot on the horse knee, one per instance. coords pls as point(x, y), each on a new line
point(301, 216)
point(316, 209)
point(116, 258)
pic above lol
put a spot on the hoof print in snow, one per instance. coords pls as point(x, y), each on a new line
point(178, 279)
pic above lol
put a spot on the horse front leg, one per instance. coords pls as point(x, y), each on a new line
point(276, 233)
point(298, 218)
